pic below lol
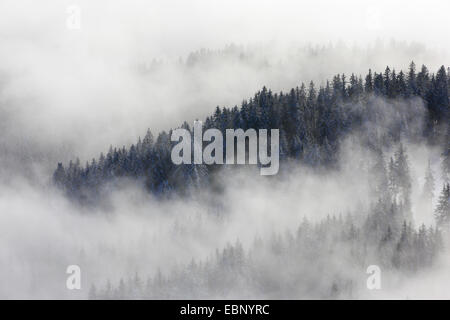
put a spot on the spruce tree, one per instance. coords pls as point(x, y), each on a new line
point(442, 213)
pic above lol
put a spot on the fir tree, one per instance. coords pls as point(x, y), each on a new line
point(442, 213)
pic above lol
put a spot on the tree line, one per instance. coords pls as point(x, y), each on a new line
point(317, 260)
point(312, 123)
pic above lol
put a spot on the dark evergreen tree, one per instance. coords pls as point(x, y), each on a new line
point(442, 213)
point(445, 166)
point(412, 79)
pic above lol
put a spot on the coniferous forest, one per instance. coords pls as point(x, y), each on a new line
point(383, 109)
point(181, 150)
point(312, 120)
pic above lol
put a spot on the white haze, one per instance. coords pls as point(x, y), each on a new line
point(67, 93)
point(43, 233)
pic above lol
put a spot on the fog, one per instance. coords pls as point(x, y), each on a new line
point(43, 232)
point(62, 87)
point(68, 93)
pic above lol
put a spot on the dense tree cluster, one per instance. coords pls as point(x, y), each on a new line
point(312, 122)
point(318, 260)
point(339, 247)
